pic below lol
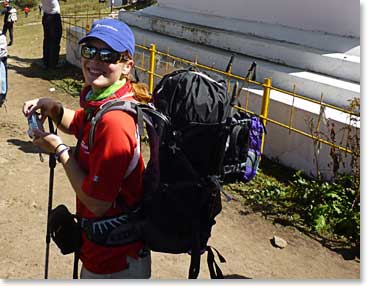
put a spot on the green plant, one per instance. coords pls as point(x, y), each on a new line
point(29, 3)
point(69, 85)
point(328, 207)
point(329, 210)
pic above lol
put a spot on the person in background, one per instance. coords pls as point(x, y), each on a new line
point(101, 176)
point(3, 49)
point(8, 23)
point(26, 11)
point(3, 69)
point(52, 32)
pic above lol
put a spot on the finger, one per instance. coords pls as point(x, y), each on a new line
point(43, 118)
point(39, 133)
point(27, 109)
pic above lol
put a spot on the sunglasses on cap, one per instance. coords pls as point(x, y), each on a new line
point(104, 55)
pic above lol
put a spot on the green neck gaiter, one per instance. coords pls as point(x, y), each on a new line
point(106, 92)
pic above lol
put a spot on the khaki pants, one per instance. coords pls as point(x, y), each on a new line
point(138, 269)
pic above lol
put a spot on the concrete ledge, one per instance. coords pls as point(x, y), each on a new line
point(315, 52)
point(334, 91)
point(311, 39)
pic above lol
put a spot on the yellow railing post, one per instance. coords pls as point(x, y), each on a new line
point(265, 101)
point(265, 105)
point(152, 67)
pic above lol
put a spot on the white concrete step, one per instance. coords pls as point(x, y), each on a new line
point(334, 91)
point(330, 55)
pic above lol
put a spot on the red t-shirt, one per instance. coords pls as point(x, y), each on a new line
point(105, 165)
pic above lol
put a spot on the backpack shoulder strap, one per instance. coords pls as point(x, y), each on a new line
point(109, 106)
point(154, 122)
point(125, 106)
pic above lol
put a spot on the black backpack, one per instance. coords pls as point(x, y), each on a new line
point(182, 212)
point(187, 131)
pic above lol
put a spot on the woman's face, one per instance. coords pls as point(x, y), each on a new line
point(99, 74)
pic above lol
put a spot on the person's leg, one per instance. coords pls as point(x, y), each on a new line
point(53, 35)
point(3, 80)
point(46, 40)
point(5, 29)
point(58, 35)
point(10, 34)
point(138, 268)
point(55, 40)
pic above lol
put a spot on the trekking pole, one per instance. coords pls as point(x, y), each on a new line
point(229, 66)
point(52, 164)
point(251, 73)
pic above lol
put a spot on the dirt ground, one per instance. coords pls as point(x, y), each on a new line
point(243, 238)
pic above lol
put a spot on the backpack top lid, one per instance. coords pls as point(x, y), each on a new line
point(191, 97)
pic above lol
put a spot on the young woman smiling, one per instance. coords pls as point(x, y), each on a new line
point(97, 174)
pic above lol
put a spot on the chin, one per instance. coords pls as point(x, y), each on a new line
point(99, 84)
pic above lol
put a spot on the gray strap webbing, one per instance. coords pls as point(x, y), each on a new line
point(138, 111)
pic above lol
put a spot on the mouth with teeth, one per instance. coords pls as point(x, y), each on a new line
point(95, 72)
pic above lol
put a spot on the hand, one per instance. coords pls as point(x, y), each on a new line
point(48, 107)
point(46, 141)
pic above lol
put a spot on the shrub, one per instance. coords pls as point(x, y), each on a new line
point(29, 3)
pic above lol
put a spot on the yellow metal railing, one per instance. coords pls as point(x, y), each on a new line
point(266, 86)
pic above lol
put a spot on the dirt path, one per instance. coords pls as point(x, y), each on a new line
point(243, 239)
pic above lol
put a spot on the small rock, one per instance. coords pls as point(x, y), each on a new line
point(279, 242)
point(34, 205)
point(52, 89)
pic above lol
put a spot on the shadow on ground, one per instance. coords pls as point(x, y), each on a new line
point(344, 249)
point(235, 276)
point(34, 68)
point(24, 146)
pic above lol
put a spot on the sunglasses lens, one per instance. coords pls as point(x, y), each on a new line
point(108, 56)
point(88, 52)
point(104, 55)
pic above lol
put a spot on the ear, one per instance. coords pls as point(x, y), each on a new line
point(127, 66)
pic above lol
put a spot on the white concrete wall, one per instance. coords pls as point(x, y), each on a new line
point(293, 149)
point(339, 17)
point(73, 34)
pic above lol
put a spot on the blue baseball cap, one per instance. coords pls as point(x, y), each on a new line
point(114, 33)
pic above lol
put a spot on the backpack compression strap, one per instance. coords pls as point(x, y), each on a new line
point(214, 270)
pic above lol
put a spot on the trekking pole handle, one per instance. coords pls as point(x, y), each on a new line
point(52, 159)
